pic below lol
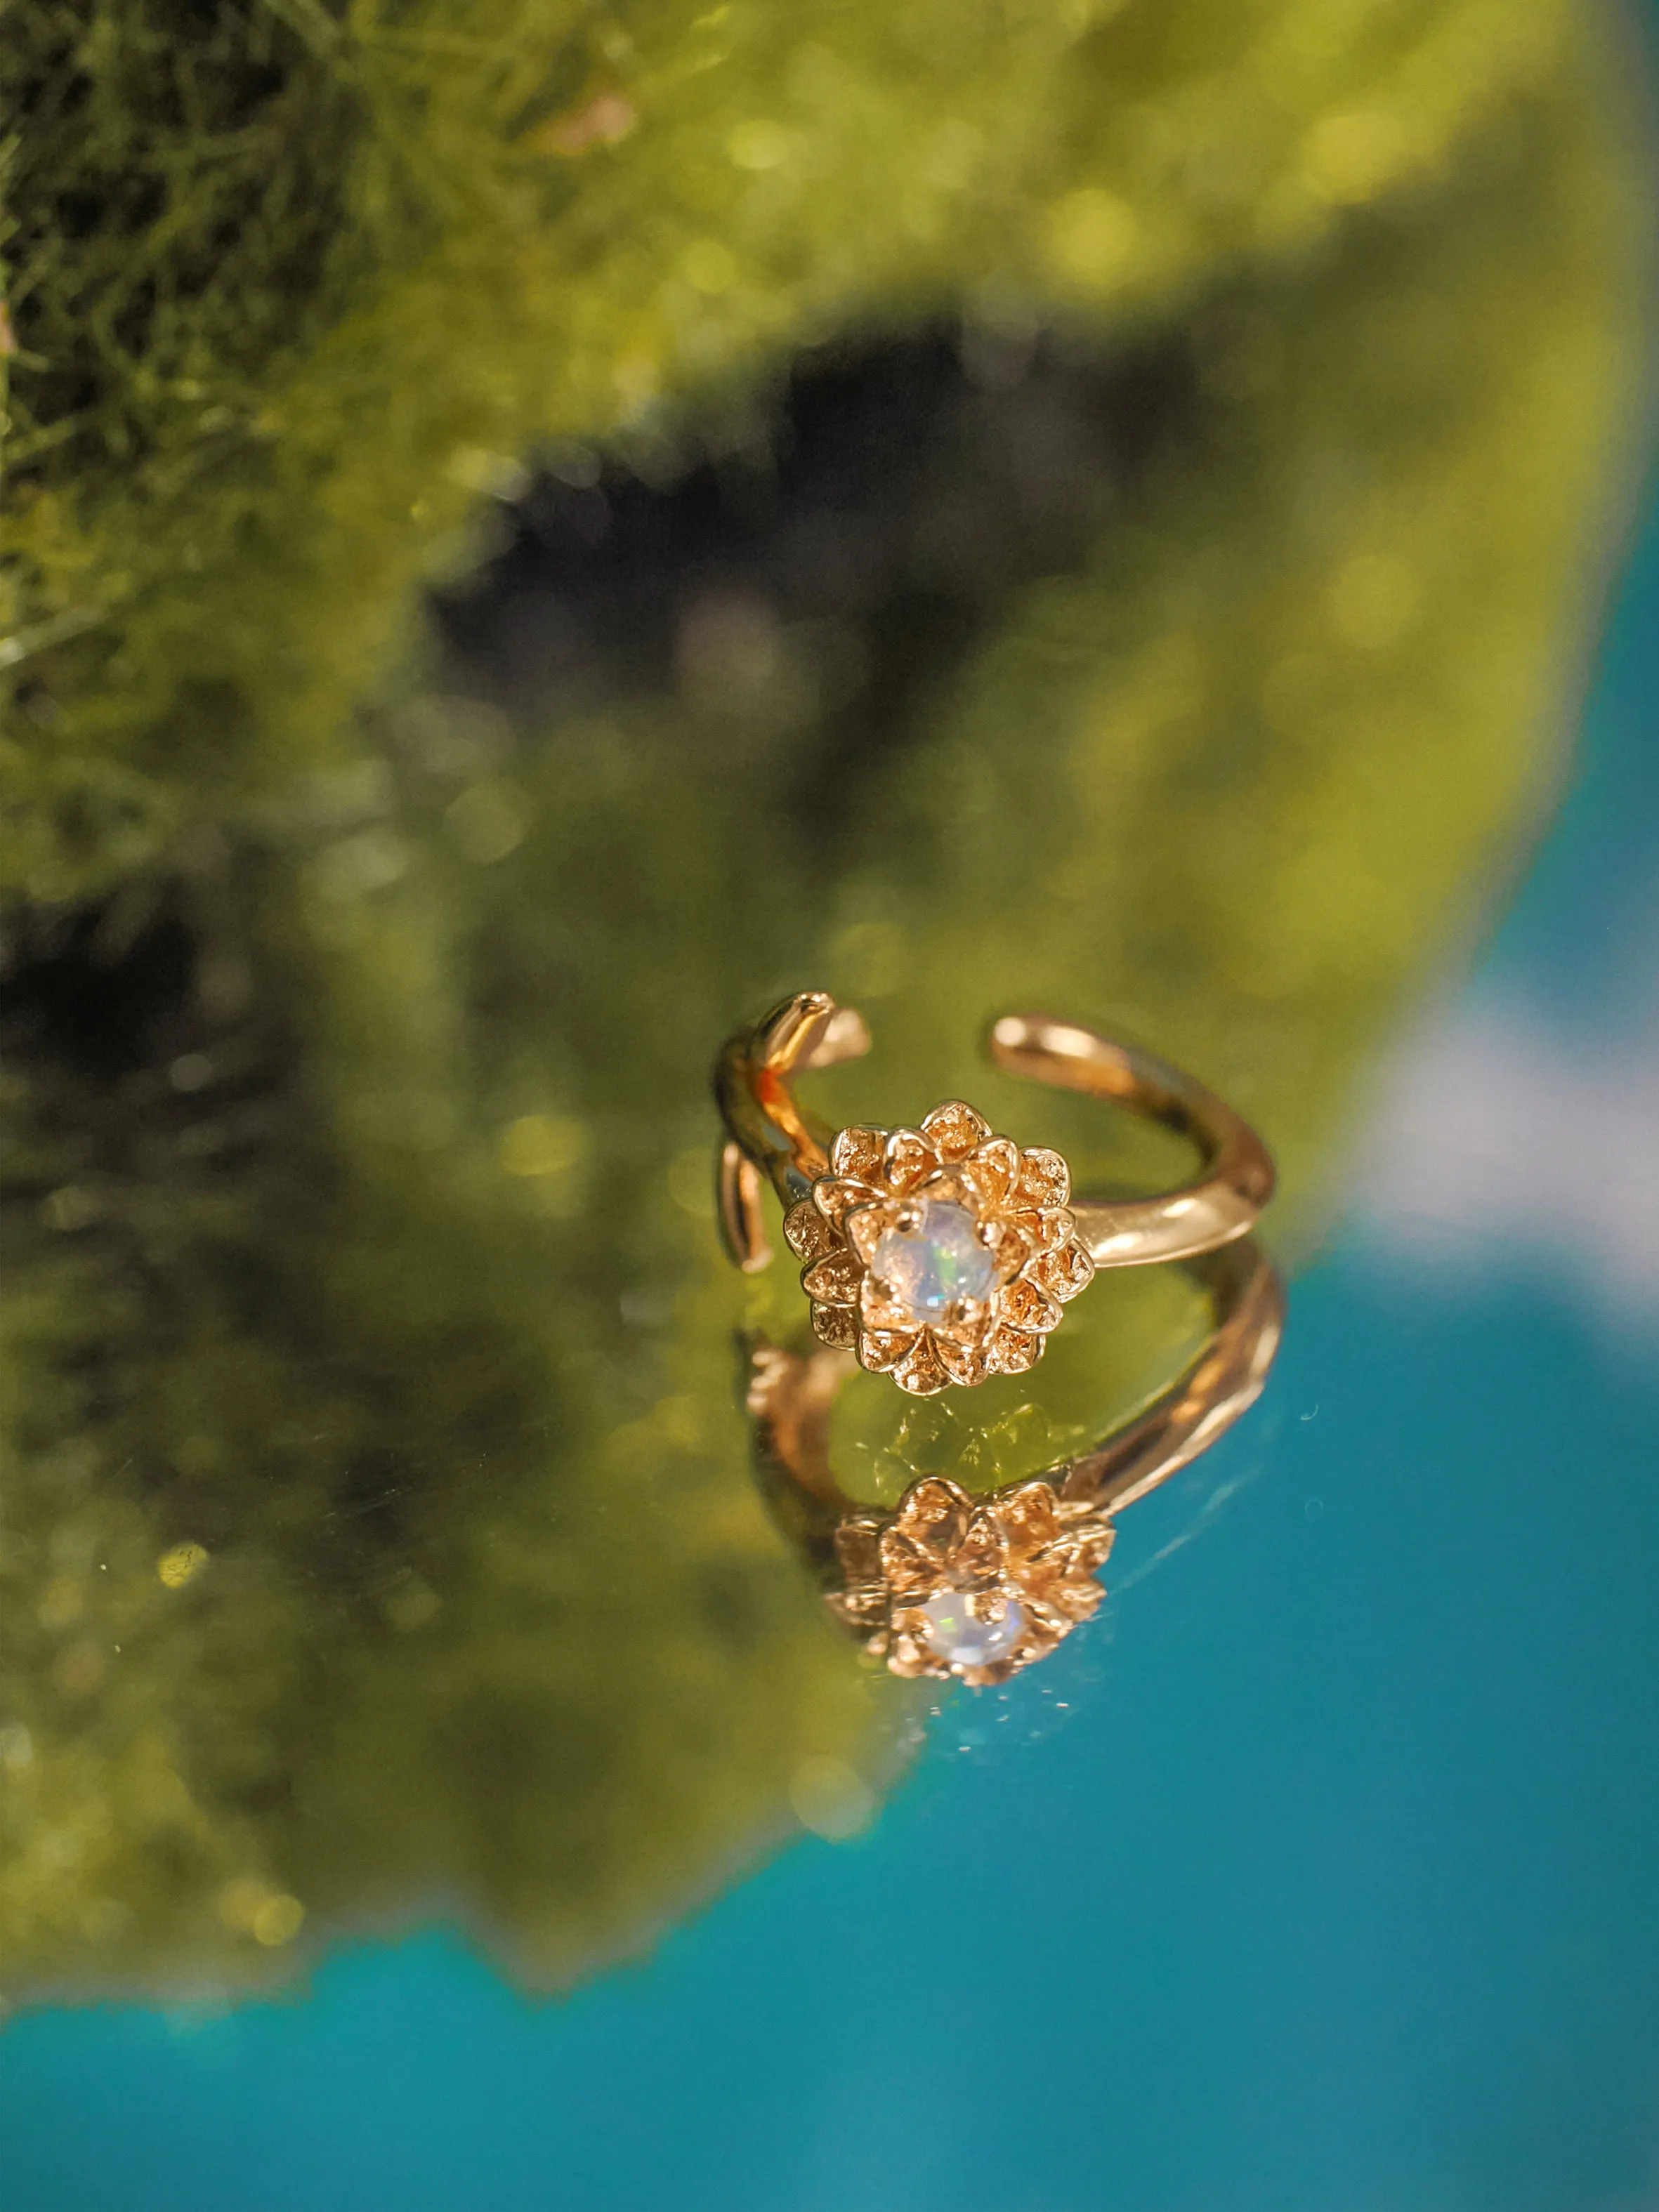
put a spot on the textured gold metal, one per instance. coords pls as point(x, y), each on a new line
point(1035, 1544)
point(848, 1194)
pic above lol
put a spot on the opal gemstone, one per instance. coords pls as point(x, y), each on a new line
point(926, 1269)
point(954, 1634)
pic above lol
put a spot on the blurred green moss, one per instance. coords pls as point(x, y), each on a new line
point(287, 285)
point(375, 1529)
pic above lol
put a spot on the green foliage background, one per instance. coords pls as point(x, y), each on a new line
point(383, 1274)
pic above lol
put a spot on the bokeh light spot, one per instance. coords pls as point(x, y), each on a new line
point(831, 1799)
point(181, 1565)
point(1091, 236)
point(541, 1145)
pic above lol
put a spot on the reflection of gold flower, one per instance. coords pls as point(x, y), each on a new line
point(978, 1589)
point(942, 1254)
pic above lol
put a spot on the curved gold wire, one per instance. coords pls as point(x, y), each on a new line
point(791, 1396)
point(769, 1136)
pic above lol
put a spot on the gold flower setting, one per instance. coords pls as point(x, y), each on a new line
point(940, 1254)
point(973, 1588)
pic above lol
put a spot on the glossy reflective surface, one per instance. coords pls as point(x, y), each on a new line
point(1319, 1872)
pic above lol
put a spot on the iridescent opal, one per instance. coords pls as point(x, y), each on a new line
point(927, 1270)
point(961, 1640)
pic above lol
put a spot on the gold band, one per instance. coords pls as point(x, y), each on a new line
point(769, 1134)
point(1238, 1173)
point(1029, 1549)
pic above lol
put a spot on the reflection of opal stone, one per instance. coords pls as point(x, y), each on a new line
point(956, 1635)
point(928, 1269)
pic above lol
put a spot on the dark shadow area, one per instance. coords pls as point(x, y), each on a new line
point(803, 584)
point(98, 1003)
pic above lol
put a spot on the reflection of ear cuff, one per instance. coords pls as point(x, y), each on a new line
point(950, 1584)
point(944, 1254)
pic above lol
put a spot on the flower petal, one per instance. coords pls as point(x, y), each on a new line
point(1047, 1227)
point(880, 1350)
point(1014, 1247)
point(912, 1569)
point(1046, 1625)
point(1076, 1596)
point(1083, 1553)
point(836, 1278)
point(1023, 1305)
point(1028, 1517)
point(951, 1185)
point(834, 1197)
point(911, 1656)
point(909, 1159)
point(861, 1609)
point(806, 1232)
point(935, 1512)
point(1044, 1179)
point(993, 1168)
point(954, 1129)
point(981, 1554)
point(836, 1326)
point(1011, 1352)
point(856, 1153)
point(921, 1372)
point(1065, 1273)
point(858, 1551)
point(988, 1604)
point(962, 1361)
